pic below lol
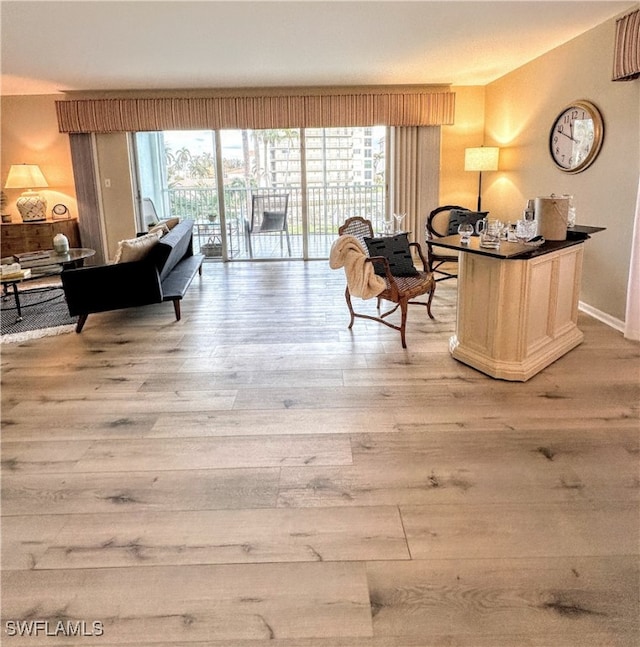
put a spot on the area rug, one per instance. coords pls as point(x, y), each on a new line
point(44, 313)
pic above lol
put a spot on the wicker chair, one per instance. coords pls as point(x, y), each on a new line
point(400, 290)
point(442, 222)
point(441, 261)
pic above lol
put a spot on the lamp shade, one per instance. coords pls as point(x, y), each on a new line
point(483, 158)
point(25, 176)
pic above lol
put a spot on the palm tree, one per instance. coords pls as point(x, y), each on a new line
point(201, 166)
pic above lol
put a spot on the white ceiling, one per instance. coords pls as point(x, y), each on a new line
point(51, 46)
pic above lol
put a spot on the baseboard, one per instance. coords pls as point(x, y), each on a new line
point(601, 316)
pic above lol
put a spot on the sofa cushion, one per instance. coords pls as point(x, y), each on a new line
point(173, 247)
point(160, 229)
point(272, 221)
point(135, 249)
point(169, 223)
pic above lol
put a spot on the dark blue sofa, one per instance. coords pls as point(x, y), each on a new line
point(163, 275)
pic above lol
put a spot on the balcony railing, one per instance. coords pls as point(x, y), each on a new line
point(327, 208)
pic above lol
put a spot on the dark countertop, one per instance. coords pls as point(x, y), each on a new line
point(507, 250)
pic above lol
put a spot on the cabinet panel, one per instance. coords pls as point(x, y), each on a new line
point(515, 317)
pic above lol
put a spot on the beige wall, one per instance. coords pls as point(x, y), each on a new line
point(457, 186)
point(117, 198)
point(29, 134)
point(519, 111)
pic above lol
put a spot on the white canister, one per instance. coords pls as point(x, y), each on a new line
point(60, 244)
point(552, 214)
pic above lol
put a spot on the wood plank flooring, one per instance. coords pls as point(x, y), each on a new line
point(257, 474)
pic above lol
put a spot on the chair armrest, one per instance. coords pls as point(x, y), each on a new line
point(391, 281)
point(423, 260)
point(111, 287)
point(384, 261)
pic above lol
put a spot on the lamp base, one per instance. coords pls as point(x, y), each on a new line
point(32, 207)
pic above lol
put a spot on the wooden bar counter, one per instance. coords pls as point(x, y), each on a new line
point(517, 305)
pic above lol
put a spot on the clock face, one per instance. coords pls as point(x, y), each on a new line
point(60, 210)
point(576, 137)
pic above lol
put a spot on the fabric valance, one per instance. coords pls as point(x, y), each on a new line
point(626, 55)
point(330, 109)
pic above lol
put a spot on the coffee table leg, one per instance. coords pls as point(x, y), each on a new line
point(16, 296)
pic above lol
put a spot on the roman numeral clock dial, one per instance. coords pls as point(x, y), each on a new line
point(576, 137)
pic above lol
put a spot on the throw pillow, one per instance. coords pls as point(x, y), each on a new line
point(396, 250)
point(135, 249)
point(170, 222)
point(458, 216)
point(272, 221)
point(160, 229)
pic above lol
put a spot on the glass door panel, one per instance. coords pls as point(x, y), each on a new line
point(327, 175)
point(263, 164)
point(345, 177)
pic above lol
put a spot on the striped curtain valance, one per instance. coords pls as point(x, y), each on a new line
point(626, 54)
point(330, 110)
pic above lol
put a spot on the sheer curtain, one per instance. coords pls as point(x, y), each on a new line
point(415, 175)
point(632, 318)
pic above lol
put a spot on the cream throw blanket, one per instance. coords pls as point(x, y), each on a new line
point(362, 281)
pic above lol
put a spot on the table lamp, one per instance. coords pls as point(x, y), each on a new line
point(31, 205)
point(483, 158)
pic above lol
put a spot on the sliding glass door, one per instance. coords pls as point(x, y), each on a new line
point(221, 179)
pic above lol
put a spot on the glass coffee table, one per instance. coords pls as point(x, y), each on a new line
point(42, 265)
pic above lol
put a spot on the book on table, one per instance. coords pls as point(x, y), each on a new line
point(31, 256)
point(14, 274)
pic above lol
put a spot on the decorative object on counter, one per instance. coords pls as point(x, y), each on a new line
point(60, 244)
point(31, 205)
point(525, 230)
point(490, 232)
point(576, 137)
point(571, 213)
point(483, 158)
point(537, 241)
point(466, 230)
point(60, 212)
point(529, 212)
point(552, 214)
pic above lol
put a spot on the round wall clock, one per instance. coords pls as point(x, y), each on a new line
point(576, 137)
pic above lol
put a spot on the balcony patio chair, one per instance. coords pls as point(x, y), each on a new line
point(441, 222)
point(149, 213)
point(401, 290)
point(269, 213)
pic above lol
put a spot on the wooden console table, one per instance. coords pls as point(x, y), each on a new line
point(517, 305)
point(19, 237)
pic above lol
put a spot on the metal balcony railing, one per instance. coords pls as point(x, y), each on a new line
point(327, 208)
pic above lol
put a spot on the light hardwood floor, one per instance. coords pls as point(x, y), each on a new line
point(256, 474)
